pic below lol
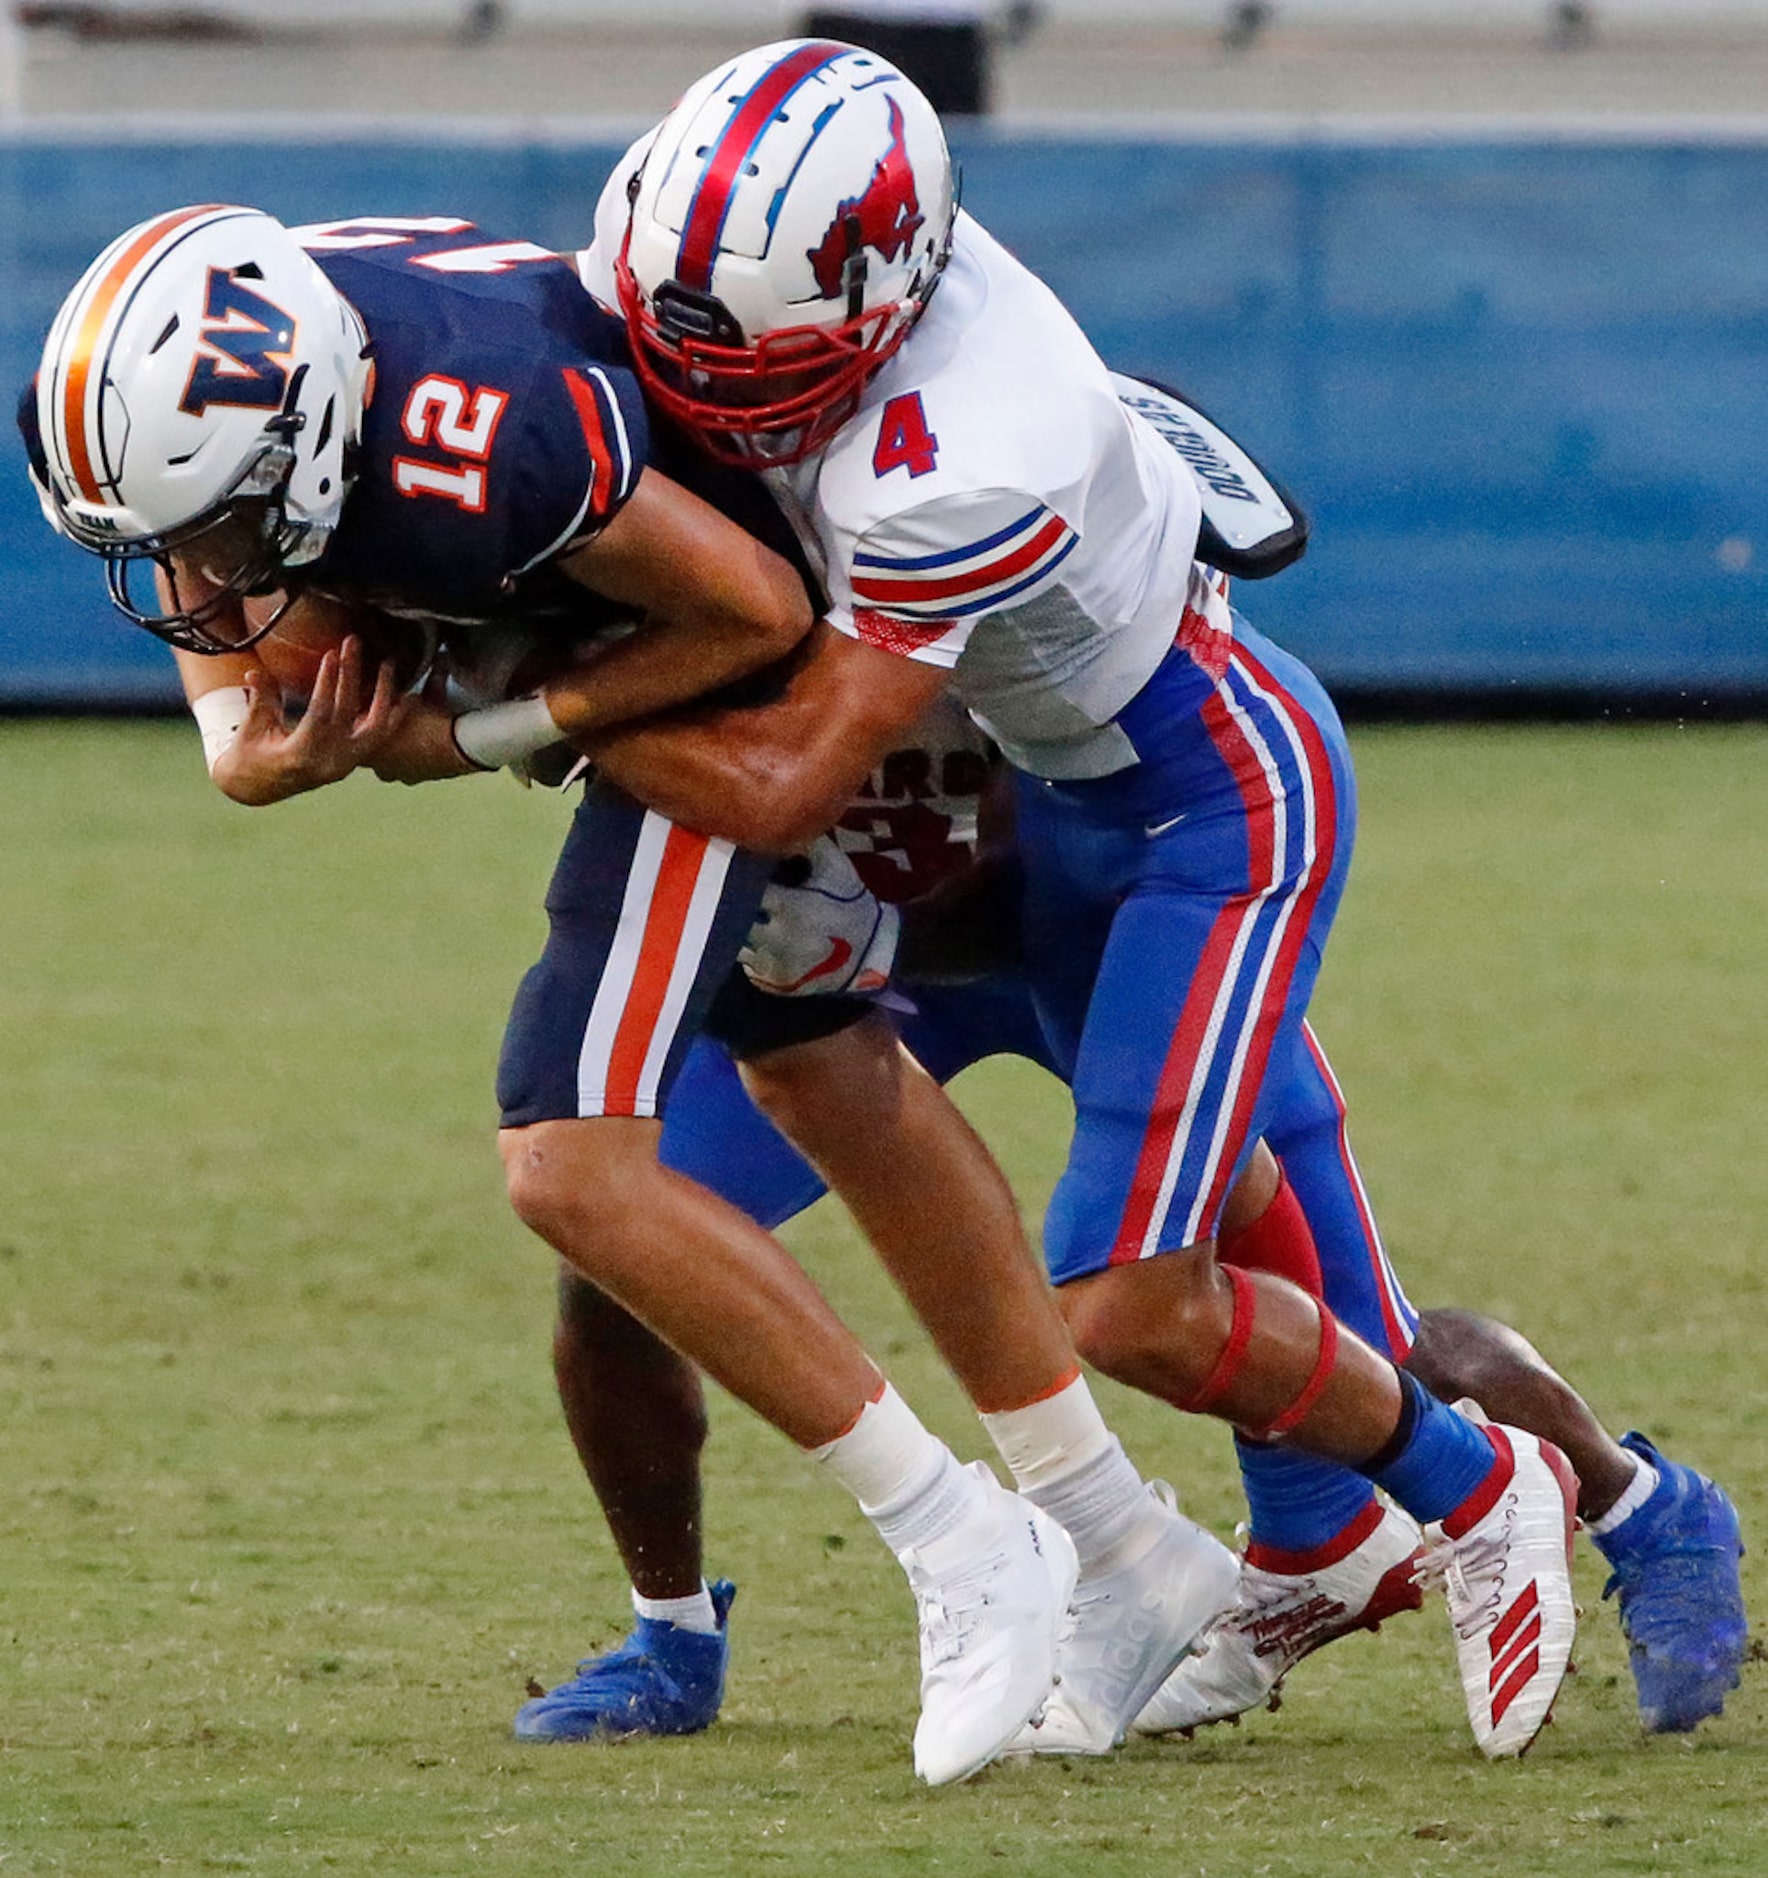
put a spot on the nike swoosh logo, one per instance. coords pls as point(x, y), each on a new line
point(839, 953)
point(1160, 828)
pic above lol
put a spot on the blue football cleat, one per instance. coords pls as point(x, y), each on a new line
point(662, 1680)
point(1675, 1569)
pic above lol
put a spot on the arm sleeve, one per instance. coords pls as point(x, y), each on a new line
point(917, 582)
point(587, 445)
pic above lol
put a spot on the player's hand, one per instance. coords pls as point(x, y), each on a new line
point(820, 929)
point(343, 726)
point(422, 748)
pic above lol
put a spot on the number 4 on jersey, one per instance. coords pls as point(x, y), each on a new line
point(904, 441)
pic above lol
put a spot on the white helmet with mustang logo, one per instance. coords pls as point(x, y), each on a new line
point(791, 219)
point(202, 370)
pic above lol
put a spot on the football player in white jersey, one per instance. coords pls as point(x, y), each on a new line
point(803, 296)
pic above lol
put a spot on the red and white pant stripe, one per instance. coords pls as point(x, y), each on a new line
point(666, 917)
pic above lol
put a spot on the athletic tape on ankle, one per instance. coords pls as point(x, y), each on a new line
point(1048, 1438)
point(1233, 1356)
point(1303, 1406)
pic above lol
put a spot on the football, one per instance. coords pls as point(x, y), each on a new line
point(292, 650)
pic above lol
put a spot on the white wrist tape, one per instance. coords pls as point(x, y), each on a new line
point(500, 734)
point(219, 715)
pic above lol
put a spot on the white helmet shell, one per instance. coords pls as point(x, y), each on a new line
point(803, 188)
point(751, 179)
point(203, 356)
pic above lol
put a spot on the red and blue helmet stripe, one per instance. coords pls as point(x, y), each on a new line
point(759, 107)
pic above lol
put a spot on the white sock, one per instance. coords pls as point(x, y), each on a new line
point(908, 1482)
point(694, 1612)
point(1643, 1486)
point(1062, 1455)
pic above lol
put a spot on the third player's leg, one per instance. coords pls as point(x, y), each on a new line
point(636, 1412)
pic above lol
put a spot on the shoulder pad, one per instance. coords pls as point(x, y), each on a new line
point(1252, 526)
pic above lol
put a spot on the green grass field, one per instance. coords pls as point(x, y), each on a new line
point(287, 1517)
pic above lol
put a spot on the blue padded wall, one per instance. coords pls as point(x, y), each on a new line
point(1522, 387)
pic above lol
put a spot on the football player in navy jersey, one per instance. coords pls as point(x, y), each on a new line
point(416, 418)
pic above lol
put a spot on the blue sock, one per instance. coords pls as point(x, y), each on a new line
point(1436, 1457)
point(1298, 1502)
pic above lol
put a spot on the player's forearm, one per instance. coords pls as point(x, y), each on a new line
point(718, 605)
point(774, 776)
point(735, 774)
point(665, 664)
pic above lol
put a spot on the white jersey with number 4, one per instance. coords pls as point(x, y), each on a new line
point(993, 507)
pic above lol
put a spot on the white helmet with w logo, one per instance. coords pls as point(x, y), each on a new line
point(202, 370)
point(792, 217)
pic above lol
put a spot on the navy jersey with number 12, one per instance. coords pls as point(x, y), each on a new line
point(503, 424)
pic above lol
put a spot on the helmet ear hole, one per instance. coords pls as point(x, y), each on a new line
point(693, 315)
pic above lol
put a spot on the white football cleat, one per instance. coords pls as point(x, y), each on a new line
point(1281, 1616)
point(1506, 1569)
point(1134, 1615)
point(991, 1614)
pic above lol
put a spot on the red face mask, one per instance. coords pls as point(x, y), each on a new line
point(760, 405)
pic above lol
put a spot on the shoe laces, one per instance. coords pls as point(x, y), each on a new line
point(1471, 1572)
point(952, 1607)
point(629, 1668)
point(628, 1655)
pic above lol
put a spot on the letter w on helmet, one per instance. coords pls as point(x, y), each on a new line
point(203, 383)
point(242, 358)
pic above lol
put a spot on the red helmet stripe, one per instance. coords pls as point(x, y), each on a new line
point(80, 354)
point(718, 180)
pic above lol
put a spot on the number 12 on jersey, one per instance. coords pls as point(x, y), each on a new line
point(443, 413)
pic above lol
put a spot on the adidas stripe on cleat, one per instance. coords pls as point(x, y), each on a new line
point(1505, 1563)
